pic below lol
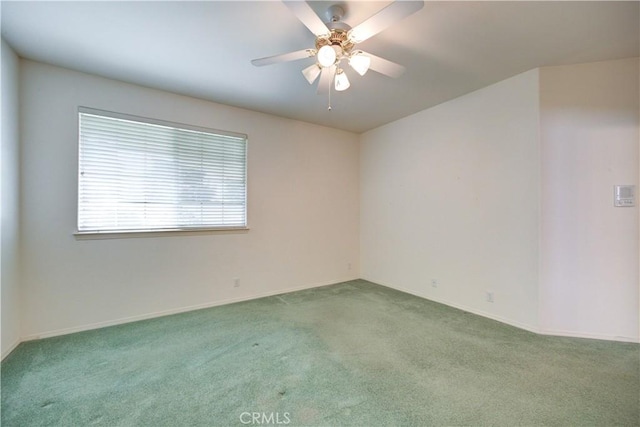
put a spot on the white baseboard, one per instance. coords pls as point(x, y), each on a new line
point(530, 328)
point(500, 319)
point(574, 334)
point(98, 325)
point(6, 352)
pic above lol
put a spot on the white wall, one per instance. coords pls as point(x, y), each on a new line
point(510, 189)
point(10, 272)
point(451, 193)
point(589, 275)
point(470, 193)
point(302, 210)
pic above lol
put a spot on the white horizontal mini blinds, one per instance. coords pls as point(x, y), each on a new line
point(140, 174)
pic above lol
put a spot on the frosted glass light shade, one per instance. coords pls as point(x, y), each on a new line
point(326, 56)
point(360, 63)
point(342, 82)
point(311, 73)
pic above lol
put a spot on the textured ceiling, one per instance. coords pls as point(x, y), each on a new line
point(204, 49)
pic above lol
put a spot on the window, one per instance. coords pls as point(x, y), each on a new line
point(145, 175)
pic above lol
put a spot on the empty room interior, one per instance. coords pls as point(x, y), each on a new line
point(320, 213)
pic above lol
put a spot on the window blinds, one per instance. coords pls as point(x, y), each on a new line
point(139, 175)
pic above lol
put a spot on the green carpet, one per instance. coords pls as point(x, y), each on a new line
point(354, 353)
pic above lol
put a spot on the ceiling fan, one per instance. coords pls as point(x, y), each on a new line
point(336, 42)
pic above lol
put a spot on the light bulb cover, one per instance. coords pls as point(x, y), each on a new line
point(326, 56)
point(311, 73)
point(341, 82)
point(360, 63)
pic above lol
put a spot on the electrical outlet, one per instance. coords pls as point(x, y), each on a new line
point(236, 282)
point(349, 266)
point(489, 296)
point(434, 283)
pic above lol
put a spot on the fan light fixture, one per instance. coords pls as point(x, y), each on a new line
point(341, 82)
point(326, 56)
point(311, 73)
point(336, 41)
point(360, 62)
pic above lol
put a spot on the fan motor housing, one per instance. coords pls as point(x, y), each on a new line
point(337, 37)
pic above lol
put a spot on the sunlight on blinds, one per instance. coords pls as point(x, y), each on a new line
point(140, 176)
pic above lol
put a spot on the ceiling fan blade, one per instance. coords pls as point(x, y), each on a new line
point(285, 57)
point(386, 17)
point(384, 66)
point(307, 16)
point(326, 78)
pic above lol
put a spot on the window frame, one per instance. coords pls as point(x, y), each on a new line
point(123, 233)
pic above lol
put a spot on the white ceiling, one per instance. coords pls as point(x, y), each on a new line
point(203, 49)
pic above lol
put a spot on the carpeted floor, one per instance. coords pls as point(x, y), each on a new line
point(354, 353)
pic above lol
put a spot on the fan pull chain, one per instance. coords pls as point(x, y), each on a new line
point(329, 107)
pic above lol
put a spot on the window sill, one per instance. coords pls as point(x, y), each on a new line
point(100, 235)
